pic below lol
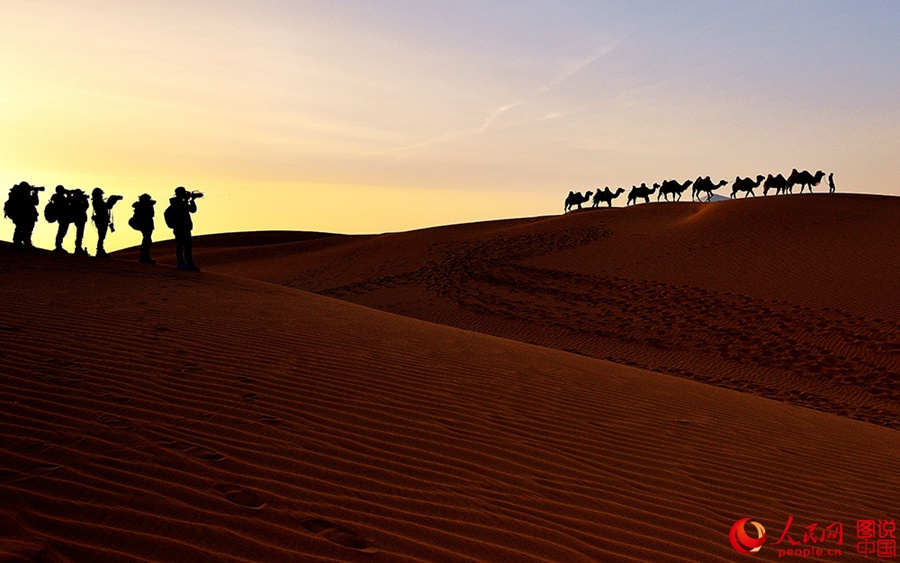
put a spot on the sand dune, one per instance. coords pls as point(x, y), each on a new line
point(155, 416)
point(790, 298)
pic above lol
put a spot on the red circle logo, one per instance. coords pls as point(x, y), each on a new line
point(741, 541)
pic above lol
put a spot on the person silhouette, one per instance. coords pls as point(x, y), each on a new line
point(78, 206)
point(59, 202)
point(21, 208)
point(102, 217)
point(142, 221)
point(178, 218)
point(831, 183)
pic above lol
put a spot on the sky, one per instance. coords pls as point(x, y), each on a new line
point(381, 116)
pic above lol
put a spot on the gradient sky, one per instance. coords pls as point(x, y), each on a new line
point(374, 116)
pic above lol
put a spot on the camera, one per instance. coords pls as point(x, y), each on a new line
point(195, 194)
point(115, 198)
point(37, 188)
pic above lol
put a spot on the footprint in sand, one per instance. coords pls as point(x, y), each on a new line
point(337, 534)
point(116, 422)
point(115, 398)
point(38, 470)
point(270, 419)
point(194, 450)
point(241, 496)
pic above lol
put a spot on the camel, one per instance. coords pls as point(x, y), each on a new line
point(745, 185)
point(674, 188)
point(705, 185)
point(606, 196)
point(805, 179)
point(777, 182)
point(640, 191)
point(792, 181)
point(576, 199)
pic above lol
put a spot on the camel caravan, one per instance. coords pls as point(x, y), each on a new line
point(701, 186)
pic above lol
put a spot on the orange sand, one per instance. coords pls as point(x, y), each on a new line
point(157, 415)
point(791, 298)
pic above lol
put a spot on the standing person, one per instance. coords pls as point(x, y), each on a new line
point(102, 217)
point(831, 183)
point(21, 207)
point(142, 221)
point(59, 203)
point(78, 206)
point(178, 218)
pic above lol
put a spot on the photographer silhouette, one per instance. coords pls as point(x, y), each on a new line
point(178, 218)
point(103, 217)
point(21, 207)
point(78, 206)
point(142, 221)
point(58, 211)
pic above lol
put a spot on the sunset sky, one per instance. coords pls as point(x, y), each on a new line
point(374, 116)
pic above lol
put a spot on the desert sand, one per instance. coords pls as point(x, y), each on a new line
point(608, 385)
point(793, 298)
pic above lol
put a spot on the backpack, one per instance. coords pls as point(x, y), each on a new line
point(9, 208)
point(51, 213)
point(170, 216)
point(134, 224)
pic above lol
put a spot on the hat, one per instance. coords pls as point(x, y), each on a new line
point(96, 192)
point(180, 190)
point(144, 197)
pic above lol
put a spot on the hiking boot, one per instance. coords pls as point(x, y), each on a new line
point(81, 251)
point(102, 254)
point(60, 250)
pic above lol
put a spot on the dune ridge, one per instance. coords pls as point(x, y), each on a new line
point(160, 417)
point(792, 298)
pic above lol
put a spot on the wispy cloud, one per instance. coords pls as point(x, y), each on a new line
point(494, 115)
point(569, 70)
